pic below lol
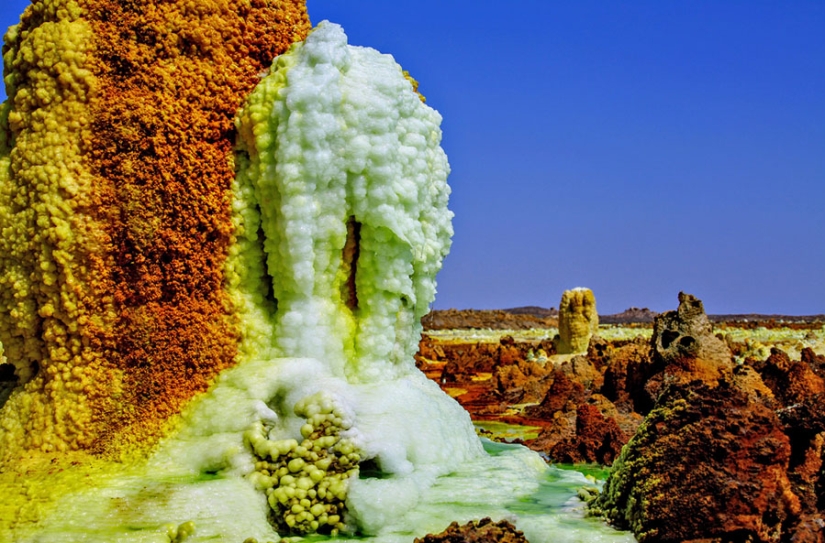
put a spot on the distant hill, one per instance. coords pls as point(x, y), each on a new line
point(496, 319)
point(522, 318)
point(630, 315)
point(536, 311)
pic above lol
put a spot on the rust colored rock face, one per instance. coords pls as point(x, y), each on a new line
point(626, 375)
point(598, 439)
point(814, 361)
point(594, 432)
point(465, 360)
point(799, 396)
point(564, 395)
point(520, 381)
point(728, 452)
point(171, 77)
point(706, 463)
point(791, 382)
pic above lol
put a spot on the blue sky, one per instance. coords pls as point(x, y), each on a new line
point(638, 148)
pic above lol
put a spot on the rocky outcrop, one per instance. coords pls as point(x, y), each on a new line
point(815, 361)
point(800, 400)
point(582, 369)
point(683, 343)
point(521, 381)
point(564, 395)
point(465, 361)
point(585, 428)
point(627, 371)
point(598, 439)
point(115, 308)
point(727, 453)
point(629, 315)
point(791, 382)
point(708, 462)
point(477, 531)
point(578, 320)
point(560, 428)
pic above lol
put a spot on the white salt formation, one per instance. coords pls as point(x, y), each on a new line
point(325, 425)
point(346, 169)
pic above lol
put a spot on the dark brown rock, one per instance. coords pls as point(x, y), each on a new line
point(707, 463)
point(597, 440)
point(477, 531)
point(521, 382)
point(628, 422)
point(598, 352)
point(561, 427)
point(791, 382)
point(497, 319)
point(564, 395)
point(804, 424)
point(581, 369)
point(430, 349)
point(683, 343)
point(814, 361)
point(810, 529)
point(806, 467)
point(628, 368)
point(683, 349)
point(465, 360)
point(630, 315)
point(747, 378)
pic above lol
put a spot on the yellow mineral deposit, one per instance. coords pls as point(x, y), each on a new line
point(578, 320)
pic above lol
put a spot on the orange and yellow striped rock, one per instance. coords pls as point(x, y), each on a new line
point(116, 166)
point(205, 345)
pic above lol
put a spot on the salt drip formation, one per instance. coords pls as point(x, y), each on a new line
point(342, 175)
point(211, 281)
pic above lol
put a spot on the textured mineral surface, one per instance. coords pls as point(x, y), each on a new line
point(116, 168)
point(578, 320)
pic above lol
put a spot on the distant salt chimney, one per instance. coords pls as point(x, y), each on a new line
point(578, 320)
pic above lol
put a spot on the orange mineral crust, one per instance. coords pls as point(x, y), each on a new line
point(119, 165)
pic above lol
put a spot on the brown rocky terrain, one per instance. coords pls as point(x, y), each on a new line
point(524, 318)
point(516, 382)
point(717, 450)
point(479, 531)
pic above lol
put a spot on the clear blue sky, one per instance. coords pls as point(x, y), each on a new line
point(637, 148)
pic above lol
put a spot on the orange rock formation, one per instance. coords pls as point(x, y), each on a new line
point(119, 139)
